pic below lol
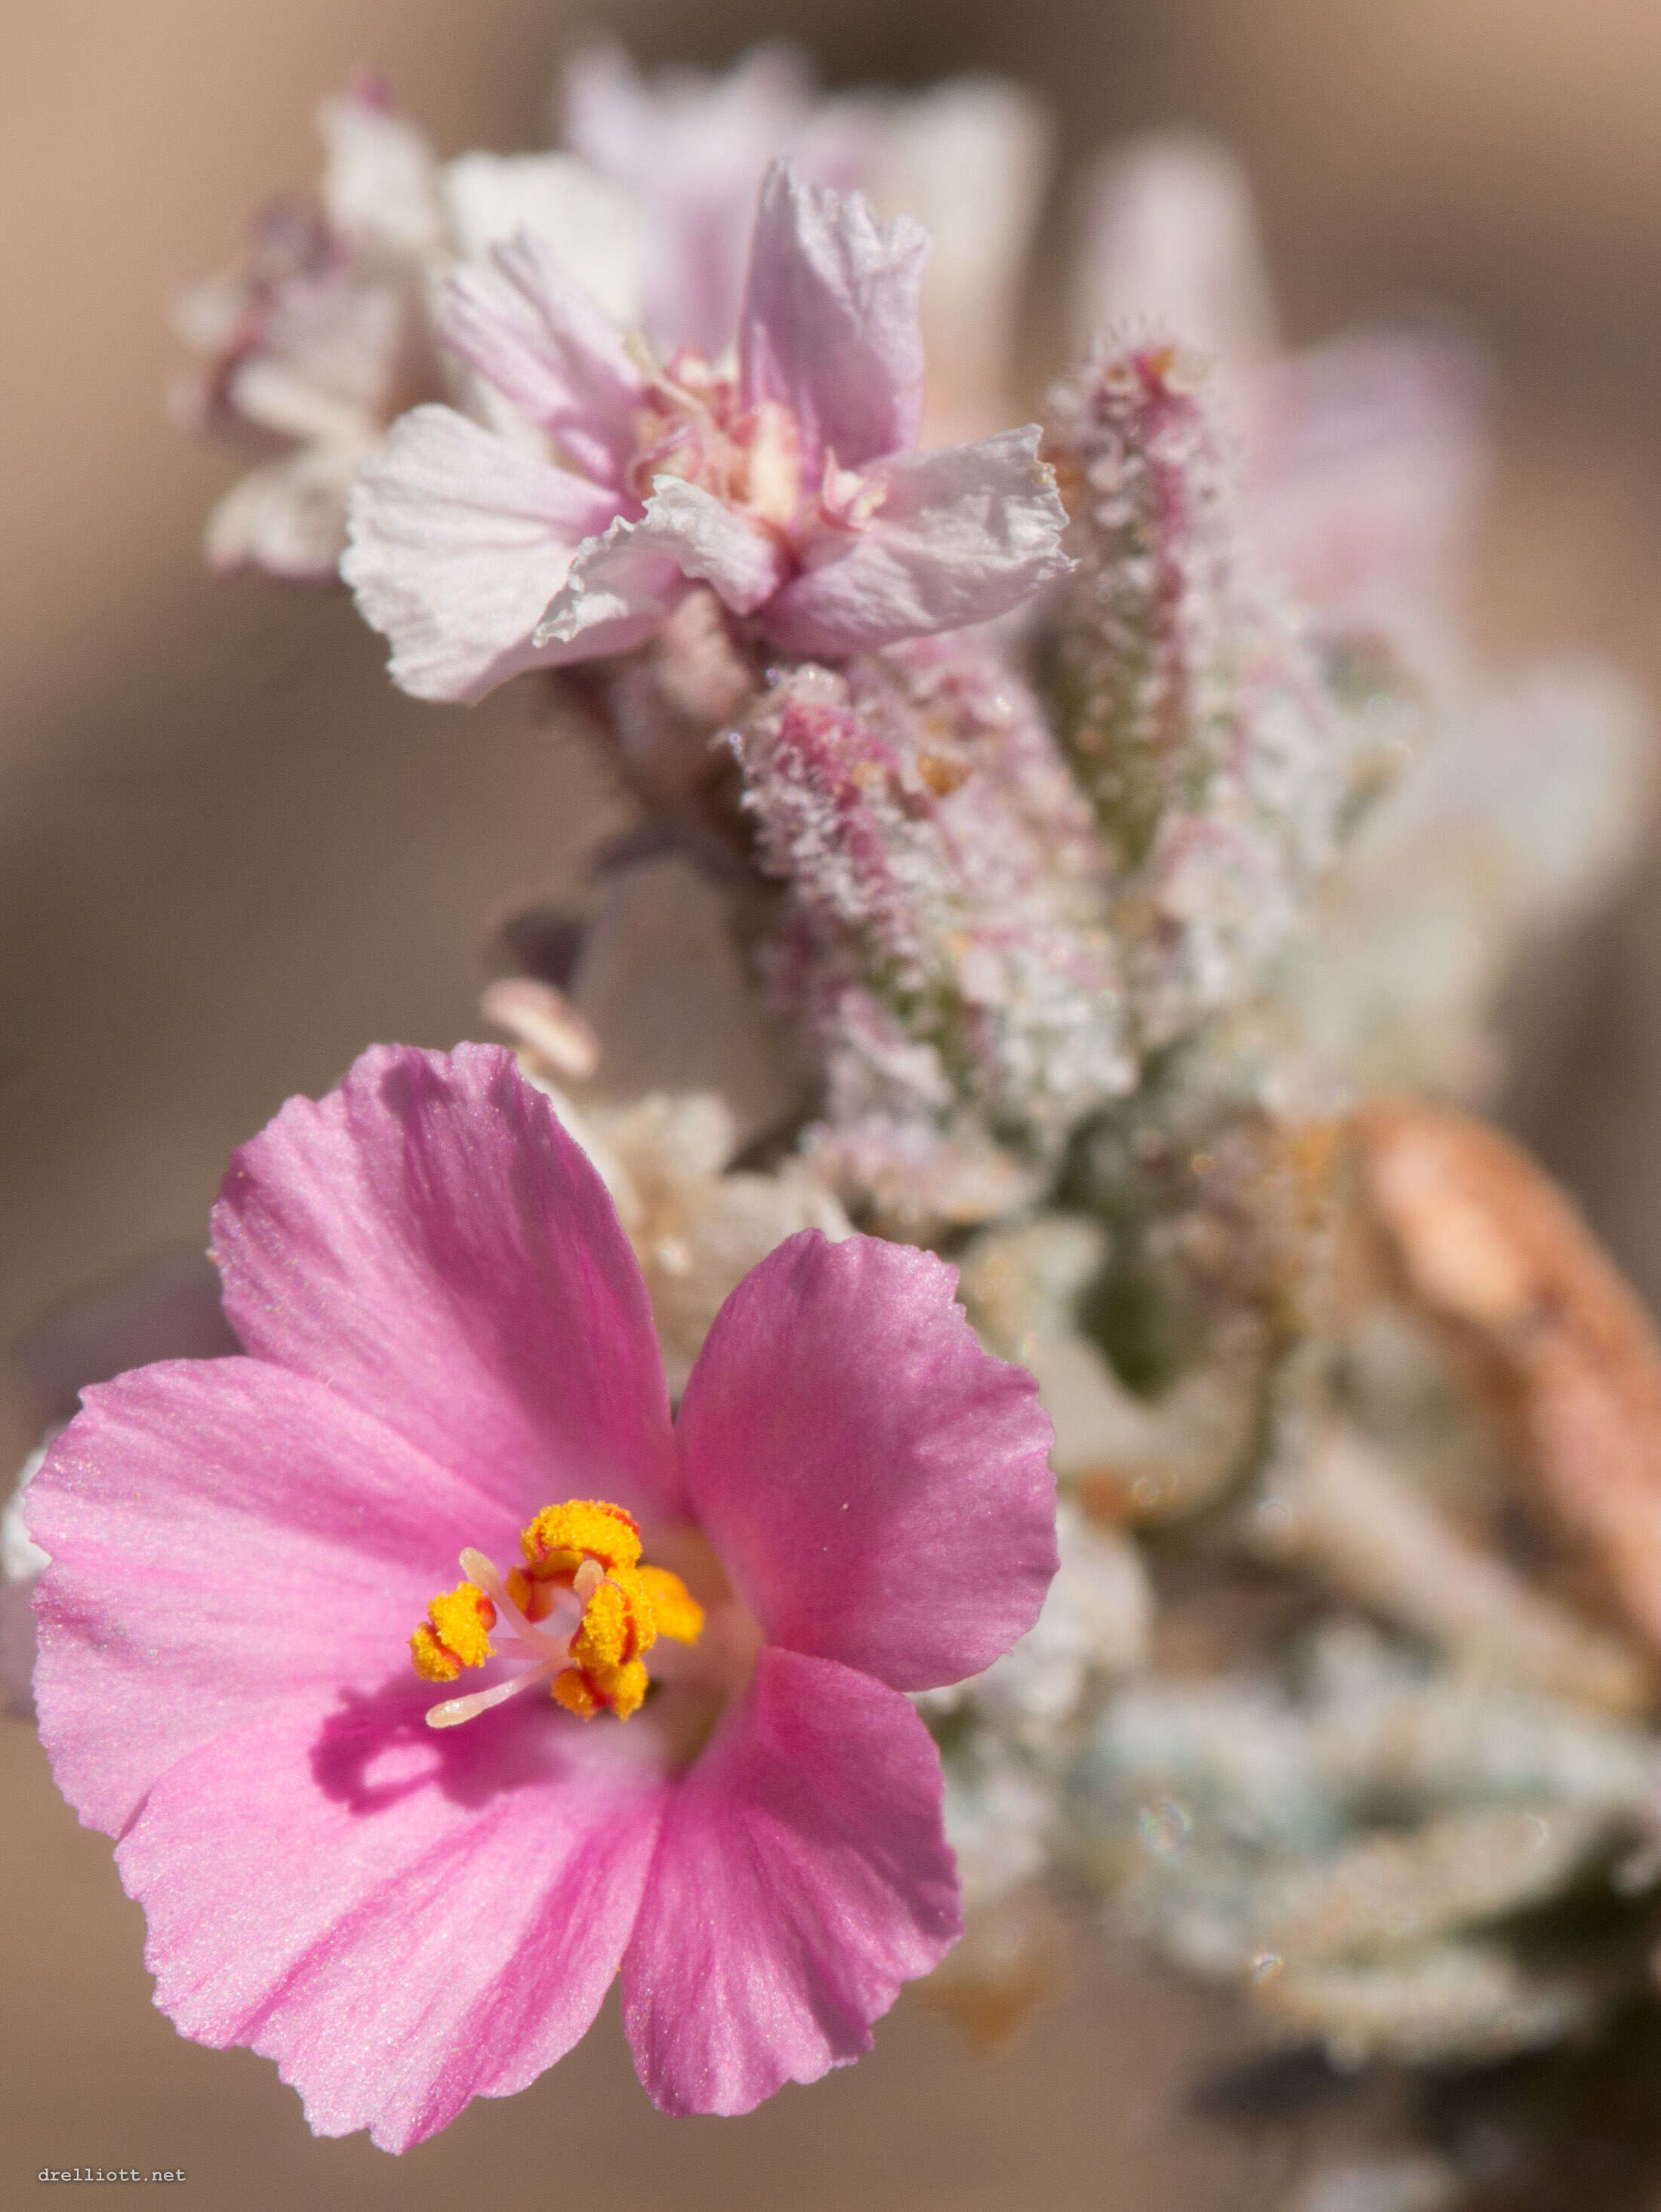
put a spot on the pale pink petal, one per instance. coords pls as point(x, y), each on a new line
point(592, 224)
point(638, 571)
point(288, 517)
point(379, 180)
point(698, 183)
point(429, 1241)
point(962, 535)
point(403, 1918)
point(1169, 240)
point(459, 541)
point(802, 1875)
point(531, 330)
point(692, 147)
point(971, 159)
point(829, 324)
point(1367, 459)
point(621, 587)
point(224, 1534)
point(877, 1486)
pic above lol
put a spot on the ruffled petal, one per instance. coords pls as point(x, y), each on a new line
point(829, 324)
point(403, 1919)
point(962, 535)
point(459, 540)
point(802, 1875)
point(224, 1535)
point(429, 1241)
point(638, 571)
point(530, 328)
point(620, 586)
point(877, 1486)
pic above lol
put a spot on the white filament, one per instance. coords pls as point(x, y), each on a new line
point(547, 1650)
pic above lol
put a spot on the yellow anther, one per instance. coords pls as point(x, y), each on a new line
point(561, 1536)
point(571, 1688)
point(429, 1658)
point(625, 1690)
point(536, 1601)
point(584, 1555)
point(455, 1634)
point(677, 1612)
point(584, 1693)
point(617, 1626)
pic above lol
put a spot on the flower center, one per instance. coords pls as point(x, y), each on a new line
point(583, 1611)
point(691, 425)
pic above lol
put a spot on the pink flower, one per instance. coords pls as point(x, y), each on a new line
point(787, 484)
point(692, 147)
point(310, 349)
point(447, 1334)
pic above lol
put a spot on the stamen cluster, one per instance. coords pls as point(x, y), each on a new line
point(586, 1550)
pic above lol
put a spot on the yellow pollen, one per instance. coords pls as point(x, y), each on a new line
point(536, 1601)
point(585, 1551)
point(563, 1536)
point(617, 1626)
point(625, 1690)
point(678, 1613)
point(571, 1690)
point(454, 1635)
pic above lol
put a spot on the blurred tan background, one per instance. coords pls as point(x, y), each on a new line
point(233, 855)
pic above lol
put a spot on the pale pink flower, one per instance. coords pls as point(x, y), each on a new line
point(324, 335)
point(787, 484)
point(447, 1331)
point(970, 157)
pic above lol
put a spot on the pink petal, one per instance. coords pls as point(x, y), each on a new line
point(963, 535)
point(380, 184)
point(829, 324)
point(490, 198)
point(224, 1535)
point(692, 148)
point(801, 1875)
point(1367, 462)
point(1169, 240)
point(403, 1919)
point(429, 1241)
point(877, 1486)
point(621, 586)
point(459, 540)
point(529, 329)
point(638, 571)
point(288, 517)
